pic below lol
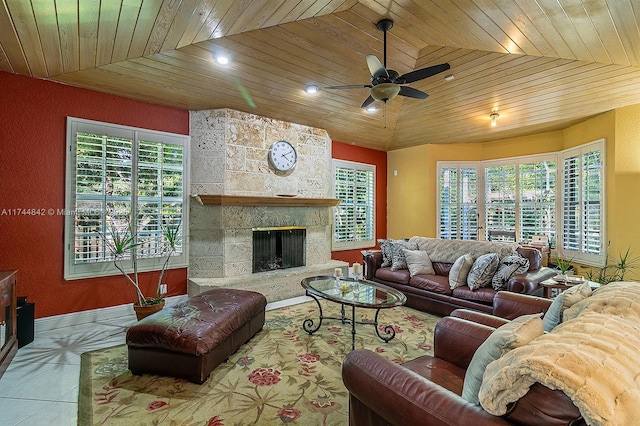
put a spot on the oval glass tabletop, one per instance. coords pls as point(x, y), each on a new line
point(362, 293)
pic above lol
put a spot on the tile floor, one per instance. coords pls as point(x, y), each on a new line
point(40, 387)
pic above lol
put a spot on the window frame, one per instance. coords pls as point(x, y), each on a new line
point(354, 244)
point(474, 165)
point(585, 258)
point(559, 157)
point(73, 270)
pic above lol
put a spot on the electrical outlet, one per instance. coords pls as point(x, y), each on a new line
point(163, 289)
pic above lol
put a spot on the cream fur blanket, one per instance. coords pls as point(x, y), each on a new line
point(594, 359)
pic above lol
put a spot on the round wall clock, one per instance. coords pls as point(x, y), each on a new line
point(282, 156)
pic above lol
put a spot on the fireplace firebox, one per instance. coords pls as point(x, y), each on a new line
point(278, 248)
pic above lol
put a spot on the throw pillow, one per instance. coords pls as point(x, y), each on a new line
point(562, 302)
point(514, 334)
point(460, 270)
point(399, 261)
point(509, 266)
point(387, 255)
point(482, 271)
point(553, 316)
point(418, 262)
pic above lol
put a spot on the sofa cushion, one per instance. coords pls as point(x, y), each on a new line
point(441, 250)
point(482, 271)
point(562, 302)
point(433, 283)
point(387, 255)
point(483, 294)
point(418, 262)
point(460, 270)
point(398, 259)
point(442, 268)
point(509, 266)
point(514, 334)
point(387, 274)
point(439, 371)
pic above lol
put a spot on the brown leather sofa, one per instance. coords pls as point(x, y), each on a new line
point(426, 390)
point(431, 293)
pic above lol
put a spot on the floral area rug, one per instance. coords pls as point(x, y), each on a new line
point(281, 376)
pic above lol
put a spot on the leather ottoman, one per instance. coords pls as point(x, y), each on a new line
point(189, 339)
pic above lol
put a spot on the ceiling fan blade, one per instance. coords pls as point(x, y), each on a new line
point(376, 67)
point(416, 75)
point(410, 92)
point(350, 86)
point(367, 102)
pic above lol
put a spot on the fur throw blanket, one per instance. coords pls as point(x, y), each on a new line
point(593, 358)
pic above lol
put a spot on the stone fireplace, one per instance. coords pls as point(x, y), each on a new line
point(234, 192)
point(278, 248)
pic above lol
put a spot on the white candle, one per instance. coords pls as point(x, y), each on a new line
point(338, 272)
point(357, 268)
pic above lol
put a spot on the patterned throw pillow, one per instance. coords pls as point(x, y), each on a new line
point(387, 255)
point(509, 266)
point(398, 260)
point(418, 262)
point(460, 270)
point(482, 271)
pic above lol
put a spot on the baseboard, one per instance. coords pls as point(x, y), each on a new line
point(94, 315)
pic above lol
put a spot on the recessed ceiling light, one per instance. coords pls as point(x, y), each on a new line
point(311, 89)
point(222, 59)
point(450, 77)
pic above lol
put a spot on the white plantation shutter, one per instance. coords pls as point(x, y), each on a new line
point(500, 197)
point(537, 200)
point(583, 204)
point(458, 201)
point(354, 222)
point(118, 176)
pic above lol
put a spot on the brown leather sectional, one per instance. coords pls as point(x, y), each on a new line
point(426, 390)
point(431, 293)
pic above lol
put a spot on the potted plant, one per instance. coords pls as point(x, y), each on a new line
point(615, 269)
point(122, 243)
point(564, 266)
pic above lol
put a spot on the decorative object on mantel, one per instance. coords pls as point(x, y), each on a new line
point(122, 242)
point(244, 200)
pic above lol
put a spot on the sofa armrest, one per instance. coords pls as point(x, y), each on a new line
point(479, 317)
point(455, 340)
point(512, 305)
point(371, 261)
point(402, 397)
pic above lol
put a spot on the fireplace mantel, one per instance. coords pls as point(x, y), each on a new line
point(244, 200)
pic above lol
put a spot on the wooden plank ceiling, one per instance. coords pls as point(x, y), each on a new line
point(543, 64)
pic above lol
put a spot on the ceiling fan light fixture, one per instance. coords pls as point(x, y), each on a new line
point(372, 108)
point(385, 91)
point(494, 118)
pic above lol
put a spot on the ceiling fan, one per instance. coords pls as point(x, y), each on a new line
point(386, 84)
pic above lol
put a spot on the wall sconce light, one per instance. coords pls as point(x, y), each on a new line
point(494, 118)
point(311, 89)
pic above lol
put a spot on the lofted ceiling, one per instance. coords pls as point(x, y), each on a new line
point(544, 64)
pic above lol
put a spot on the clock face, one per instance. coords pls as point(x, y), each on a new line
point(282, 156)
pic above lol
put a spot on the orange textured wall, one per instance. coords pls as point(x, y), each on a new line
point(32, 176)
point(343, 151)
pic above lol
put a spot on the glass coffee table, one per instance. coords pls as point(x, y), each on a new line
point(354, 293)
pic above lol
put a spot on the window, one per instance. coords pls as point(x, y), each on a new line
point(458, 212)
point(354, 224)
point(120, 177)
point(582, 204)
